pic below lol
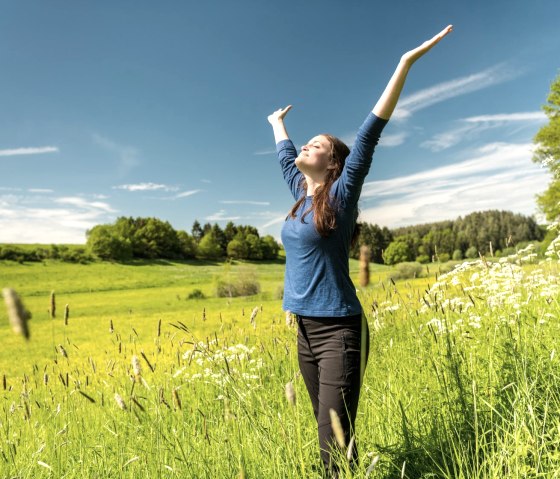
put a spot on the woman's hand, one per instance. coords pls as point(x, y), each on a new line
point(410, 57)
point(278, 115)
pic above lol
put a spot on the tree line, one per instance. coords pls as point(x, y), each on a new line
point(456, 239)
point(151, 238)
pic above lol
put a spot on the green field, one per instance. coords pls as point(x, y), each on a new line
point(462, 379)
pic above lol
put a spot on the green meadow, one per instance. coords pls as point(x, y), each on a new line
point(462, 380)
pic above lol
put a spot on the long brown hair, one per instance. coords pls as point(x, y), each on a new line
point(324, 214)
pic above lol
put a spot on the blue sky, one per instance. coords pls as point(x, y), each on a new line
point(136, 108)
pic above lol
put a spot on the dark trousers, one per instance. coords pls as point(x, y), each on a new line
point(332, 356)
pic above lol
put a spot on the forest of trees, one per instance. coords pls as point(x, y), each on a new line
point(151, 238)
point(456, 239)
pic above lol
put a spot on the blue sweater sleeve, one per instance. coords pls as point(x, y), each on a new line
point(286, 155)
point(356, 167)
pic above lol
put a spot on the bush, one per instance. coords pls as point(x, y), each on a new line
point(243, 287)
point(457, 255)
point(471, 253)
point(423, 258)
point(196, 294)
point(408, 270)
point(225, 289)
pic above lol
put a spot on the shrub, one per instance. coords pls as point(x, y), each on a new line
point(242, 287)
point(226, 289)
point(196, 294)
point(457, 255)
point(408, 270)
point(423, 258)
point(471, 253)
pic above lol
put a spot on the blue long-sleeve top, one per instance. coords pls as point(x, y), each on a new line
point(317, 278)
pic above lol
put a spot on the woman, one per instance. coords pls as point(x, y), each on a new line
point(326, 179)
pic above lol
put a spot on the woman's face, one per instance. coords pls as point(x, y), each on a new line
point(315, 156)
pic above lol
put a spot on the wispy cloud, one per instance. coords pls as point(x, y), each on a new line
point(40, 190)
point(128, 155)
point(184, 194)
point(145, 187)
point(205, 180)
point(267, 151)
point(494, 75)
point(468, 128)
point(29, 219)
point(497, 176)
point(83, 203)
point(29, 151)
point(245, 202)
point(221, 216)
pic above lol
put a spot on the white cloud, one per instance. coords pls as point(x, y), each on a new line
point(245, 202)
point(83, 203)
point(469, 128)
point(267, 151)
point(507, 117)
point(274, 221)
point(29, 151)
point(145, 187)
point(449, 89)
point(395, 139)
point(40, 190)
point(221, 216)
point(498, 176)
point(26, 219)
point(184, 194)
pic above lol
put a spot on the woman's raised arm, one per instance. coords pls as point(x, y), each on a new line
point(388, 101)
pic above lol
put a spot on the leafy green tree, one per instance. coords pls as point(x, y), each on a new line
point(187, 244)
point(269, 247)
point(238, 248)
point(196, 231)
point(254, 244)
point(397, 252)
point(547, 152)
point(104, 242)
point(230, 231)
point(209, 247)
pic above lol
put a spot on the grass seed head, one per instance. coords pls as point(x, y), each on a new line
point(17, 313)
point(337, 428)
point(53, 305)
point(136, 366)
point(120, 401)
point(290, 393)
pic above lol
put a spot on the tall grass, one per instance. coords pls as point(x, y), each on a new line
point(462, 382)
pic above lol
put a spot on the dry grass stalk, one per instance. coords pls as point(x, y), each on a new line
point(365, 255)
point(120, 401)
point(290, 393)
point(66, 314)
point(337, 428)
point(136, 368)
point(111, 329)
point(290, 319)
point(254, 316)
point(147, 362)
point(17, 313)
point(176, 399)
point(53, 305)
point(62, 351)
